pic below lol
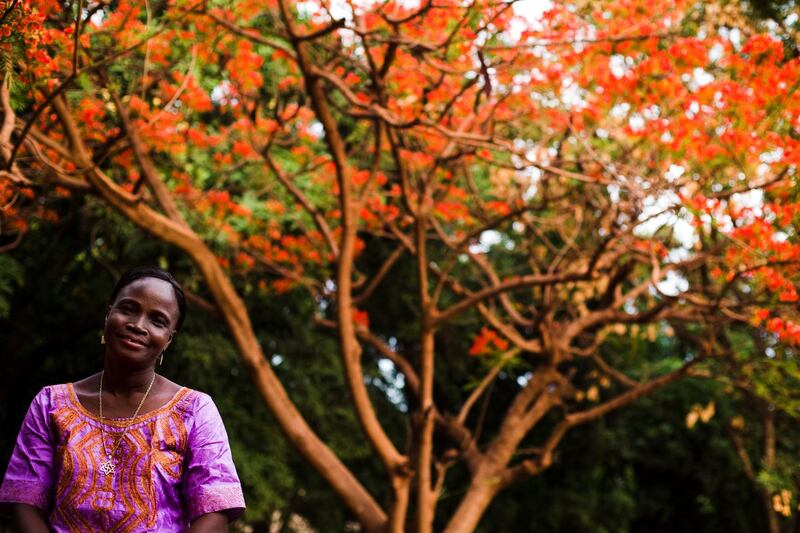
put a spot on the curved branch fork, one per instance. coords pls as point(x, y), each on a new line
point(543, 392)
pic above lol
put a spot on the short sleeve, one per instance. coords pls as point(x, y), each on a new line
point(210, 483)
point(29, 477)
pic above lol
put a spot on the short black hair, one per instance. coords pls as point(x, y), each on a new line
point(152, 272)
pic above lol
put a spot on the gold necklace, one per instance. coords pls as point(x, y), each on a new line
point(108, 467)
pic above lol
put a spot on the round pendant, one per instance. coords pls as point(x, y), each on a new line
point(107, 467)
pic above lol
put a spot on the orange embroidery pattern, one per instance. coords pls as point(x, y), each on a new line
point(153, 445)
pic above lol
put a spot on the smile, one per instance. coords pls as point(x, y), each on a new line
point(131, 342)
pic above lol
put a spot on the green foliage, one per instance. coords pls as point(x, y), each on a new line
point(11, 276)
point(50, 333)
point(778, 478)
point(641, 469)
point(779, 379)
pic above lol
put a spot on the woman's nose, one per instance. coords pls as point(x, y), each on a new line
point(137, 324)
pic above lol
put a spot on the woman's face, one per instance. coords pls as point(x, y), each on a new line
point(141, 321)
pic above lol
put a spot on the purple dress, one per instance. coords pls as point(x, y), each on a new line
point(173, 464)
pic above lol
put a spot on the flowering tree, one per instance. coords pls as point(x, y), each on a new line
point(558, 180)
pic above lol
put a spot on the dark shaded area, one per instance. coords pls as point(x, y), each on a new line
point(640, 469)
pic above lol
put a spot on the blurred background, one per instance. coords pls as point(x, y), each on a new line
point(655, 145)
point(640, 469)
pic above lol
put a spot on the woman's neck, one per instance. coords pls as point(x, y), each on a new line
point(126, 381)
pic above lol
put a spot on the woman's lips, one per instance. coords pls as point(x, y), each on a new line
point(130, 342)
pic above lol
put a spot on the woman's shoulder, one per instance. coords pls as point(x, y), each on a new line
point(198, 409)
point(49, 397)
point(53, 392)
point(188, 399)
point(195, 400)
point(53, 388)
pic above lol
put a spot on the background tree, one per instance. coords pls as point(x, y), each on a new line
point(66, 272)
point(604, 171)
point(640, 469)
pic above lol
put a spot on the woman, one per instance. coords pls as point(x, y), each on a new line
point(126, 449)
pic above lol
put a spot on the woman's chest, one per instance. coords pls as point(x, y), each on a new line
point(116, 473)
point(85, 444)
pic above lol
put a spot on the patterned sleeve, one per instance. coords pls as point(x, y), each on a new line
point(210, 483)
point(29, 477)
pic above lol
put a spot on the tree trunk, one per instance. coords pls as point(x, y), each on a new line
point(484, 487)
point(397, 520)
point(426, 505)
point(294, 426)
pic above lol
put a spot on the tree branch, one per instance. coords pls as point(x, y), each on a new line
point(316, 216)
point(250, 34)
point(384, 270)
point(396, 464)
point(485, 382)
point(509, 284)
point(532, 467)
point(149, 172)
point(231, 306)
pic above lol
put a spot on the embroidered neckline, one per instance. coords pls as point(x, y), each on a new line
point(125, 422)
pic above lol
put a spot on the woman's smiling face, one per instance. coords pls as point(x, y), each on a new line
point(141, 321)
